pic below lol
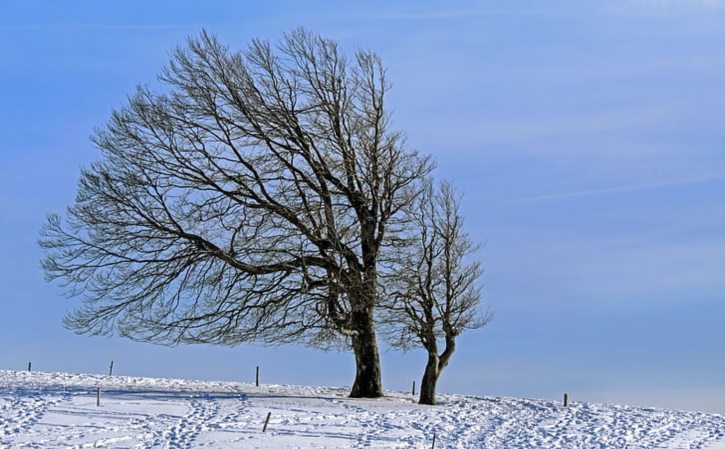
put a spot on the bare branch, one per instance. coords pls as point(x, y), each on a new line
point(252, 198)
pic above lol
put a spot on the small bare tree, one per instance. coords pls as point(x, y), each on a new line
point(249, 199)
point(437, 294)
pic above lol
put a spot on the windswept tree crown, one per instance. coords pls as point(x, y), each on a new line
point(250, 198)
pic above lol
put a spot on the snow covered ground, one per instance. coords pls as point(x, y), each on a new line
point(55, 410)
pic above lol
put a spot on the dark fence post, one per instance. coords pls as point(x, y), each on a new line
point(98, 397)
point(266, 421)
point(257, 381)
point(566, 400)
point(29, 365)
point(110, 369)
point(413, 393)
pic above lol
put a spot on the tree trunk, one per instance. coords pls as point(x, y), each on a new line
point(430, 380)
point(433, 369)
point(368, 383)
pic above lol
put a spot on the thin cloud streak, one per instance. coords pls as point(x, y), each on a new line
point(653, 8)
point(461, 13)
point(642, 8)
point(612, 190)
point(100, 27)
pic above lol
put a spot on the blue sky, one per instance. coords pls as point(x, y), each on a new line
point(589, 138)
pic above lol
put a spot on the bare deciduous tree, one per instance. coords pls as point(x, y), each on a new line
point(248, 199)
point(436, 295)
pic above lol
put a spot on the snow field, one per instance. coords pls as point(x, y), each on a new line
point(56, 410)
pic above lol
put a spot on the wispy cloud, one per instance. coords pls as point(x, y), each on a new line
point(667, 4)
point(540, 127)
point(646, 8)
point(468, 13)
point(534, 133)
point(607, 8)
point(616, 189)
point(98, 27)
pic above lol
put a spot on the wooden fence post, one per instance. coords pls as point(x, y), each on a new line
point(413, 393)
point(566, 400)
point(29, 365)
point(266, 421)
point(98, 397)
point(257, 381)
point(434, 442)
point(110, 369)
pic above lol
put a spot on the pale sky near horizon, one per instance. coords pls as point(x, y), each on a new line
point(588, 137)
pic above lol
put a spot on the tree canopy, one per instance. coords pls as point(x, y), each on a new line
point(259, 195)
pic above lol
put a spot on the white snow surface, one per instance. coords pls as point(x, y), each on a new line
point(58, 410)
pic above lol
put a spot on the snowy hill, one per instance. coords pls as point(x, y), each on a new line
point(54, 410)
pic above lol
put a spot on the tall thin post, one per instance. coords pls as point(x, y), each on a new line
point(29, 365)
point(257, 381)
point(110, 369)
point(434, 442)
point(266, 421)
point(413, 392)
point(98, 397)
point(566, 400)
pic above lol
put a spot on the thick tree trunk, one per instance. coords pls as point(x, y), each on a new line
point(368, 383)
point(429, 382)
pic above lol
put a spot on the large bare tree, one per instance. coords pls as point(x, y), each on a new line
point(250, 197)
point(436, 294)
